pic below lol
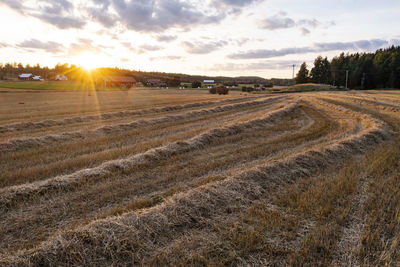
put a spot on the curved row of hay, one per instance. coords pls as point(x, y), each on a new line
point(20, 144)
point(141, 186)
point(133, 237)
point(63, 158)
point(22, 126)
point(15, 193)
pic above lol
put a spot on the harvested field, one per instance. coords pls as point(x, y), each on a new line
point(165, 177)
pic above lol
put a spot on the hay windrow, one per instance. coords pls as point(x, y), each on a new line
point(110, 115)
point(8, 195)
point(130, 238)
point(20, 144)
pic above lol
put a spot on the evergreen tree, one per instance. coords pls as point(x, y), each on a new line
point(321, 71)
point(303, 74)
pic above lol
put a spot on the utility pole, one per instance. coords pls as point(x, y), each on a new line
point(347, 77)
point(293, 71)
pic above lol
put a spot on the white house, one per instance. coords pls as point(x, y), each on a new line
point(37, 78)
point(208, 81)
point(25, 76)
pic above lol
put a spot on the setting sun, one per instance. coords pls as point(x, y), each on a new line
point(90, 61)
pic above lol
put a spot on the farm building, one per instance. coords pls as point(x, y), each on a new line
point(37, 78)
point(61, 78)
point(208, 81)
point(25, 76)
point(116, 81)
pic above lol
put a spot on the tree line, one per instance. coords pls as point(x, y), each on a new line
point(380, 69)
point(10, 71)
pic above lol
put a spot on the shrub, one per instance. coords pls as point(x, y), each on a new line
point(196, 84)
point(222, 90)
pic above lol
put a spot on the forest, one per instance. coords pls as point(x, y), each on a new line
point(380, 69)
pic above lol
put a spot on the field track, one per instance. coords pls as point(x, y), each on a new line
point(289, 179)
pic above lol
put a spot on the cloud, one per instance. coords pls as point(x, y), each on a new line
point(358, 45)
point(62, 22)
point(202, 47)
point(101, 16)
point(165, 38)
point(277, 22)
point(58, 12)
point(51, 47)
point(365, 45)
point(138, 15)
point(238, 2)
point(56, 7)
point(281, 21)
point(266, 53)
point(309, 22)
point(16, 5)
point(166, 58)
point(159, 15)
point(146, 48)
point(264, 65)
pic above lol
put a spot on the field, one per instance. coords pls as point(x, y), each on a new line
point(183, 177)
point(52, 85)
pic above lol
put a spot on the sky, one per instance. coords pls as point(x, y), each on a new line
point(210, 37)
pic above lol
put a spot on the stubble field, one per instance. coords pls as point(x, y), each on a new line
point(169, 177)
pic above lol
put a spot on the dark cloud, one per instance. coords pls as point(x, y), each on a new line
point(364, 45)
point(55, 12)
point(51, 47)
point(238, 2)
point(158, 15)
point(62, 22)
point(13, 4)
point(203, 47)
point(138, 15)
point(57, 7)
point(101, 16)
